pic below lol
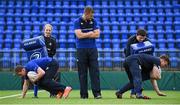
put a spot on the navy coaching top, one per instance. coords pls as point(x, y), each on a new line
point(85, 26)
point(145, 60)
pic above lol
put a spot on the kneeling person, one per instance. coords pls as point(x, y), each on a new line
point(45, 68)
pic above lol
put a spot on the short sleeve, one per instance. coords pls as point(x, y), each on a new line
point(96, 26)
point(77, 24)
point(31, 66)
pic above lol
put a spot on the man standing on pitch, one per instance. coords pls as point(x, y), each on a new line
point(87, 30)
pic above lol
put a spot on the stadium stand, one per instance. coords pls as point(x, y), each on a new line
point(118, 20)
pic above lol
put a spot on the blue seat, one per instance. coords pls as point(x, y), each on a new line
point(127, 3)
point(171, 44)
point(144, 9)
point(19, 25)
point(56, 17)
point(42, 9)
point(2, 25)
point(108, 62)
point(136, 17)
point(55, 33)
point(62, 62)
point(25, 17)
point(18, 17)
point(162, 44)
point(144, 17)
point(160, 34)
point(168, 25)
point(176, 16)
point(49, 17)
point(161, 17)
point(159, 25)
point(113, 17)
point(135, 3)
point(169, 34)
point(105, 17)
point(2, 17)
point(18, 34)
point(10, 25)
point(160, 9)
point(26, 9)
point(116, 44)
point(37, 25)
point(132, 25)
point(176, 25)
point(132, 32)
point(128, 9)
point(63, 34)
point(9, 34)
point(1, 43)
point(34, 8)
point(15, 60)
point(2, 34)
point(141, 25)
point(71, 34)
point(8, 43)
point(175, 62)
point(115, 34)
point(27, 34)
point(27, 25)
point(99, 43)
point(62, 43)
point(136, 8)
point(41, 17)
point(36, 33)
point(6, 62)
point(101, 62)
point(118, 61)
point(71, 43)
point(178, 43)
point(168, 8)
point(124, 25)
point(107, 43)
point(123, 43)
point(153, 16)
point(71, 62)
point(2, 8)
point(150, 25)
point(151, 34)
point(124, 34)
point(17, 43)
point(120, 17)
point(169, 17)
point(19, 9)
point(129, 17)
point(106, 34)
point(63, 26)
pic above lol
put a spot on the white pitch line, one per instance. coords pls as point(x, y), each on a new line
point(15, 95)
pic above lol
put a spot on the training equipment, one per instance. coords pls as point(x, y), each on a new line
point(142, 47)
point(35, 48)
point(32, 75)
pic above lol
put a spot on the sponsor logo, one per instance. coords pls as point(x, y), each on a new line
point(35, 55)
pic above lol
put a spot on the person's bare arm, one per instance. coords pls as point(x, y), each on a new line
point(156, 88)
point(81, 35)
point(25, 88)
point(40, 74)
point(95, 34)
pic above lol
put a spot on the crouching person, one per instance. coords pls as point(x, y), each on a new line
point(142, 67)
point(45, 68)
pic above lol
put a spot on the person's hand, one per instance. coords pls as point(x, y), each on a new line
point(161, 94)
point(91, 33)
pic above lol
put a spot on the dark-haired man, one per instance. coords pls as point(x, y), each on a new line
point(139, 67)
